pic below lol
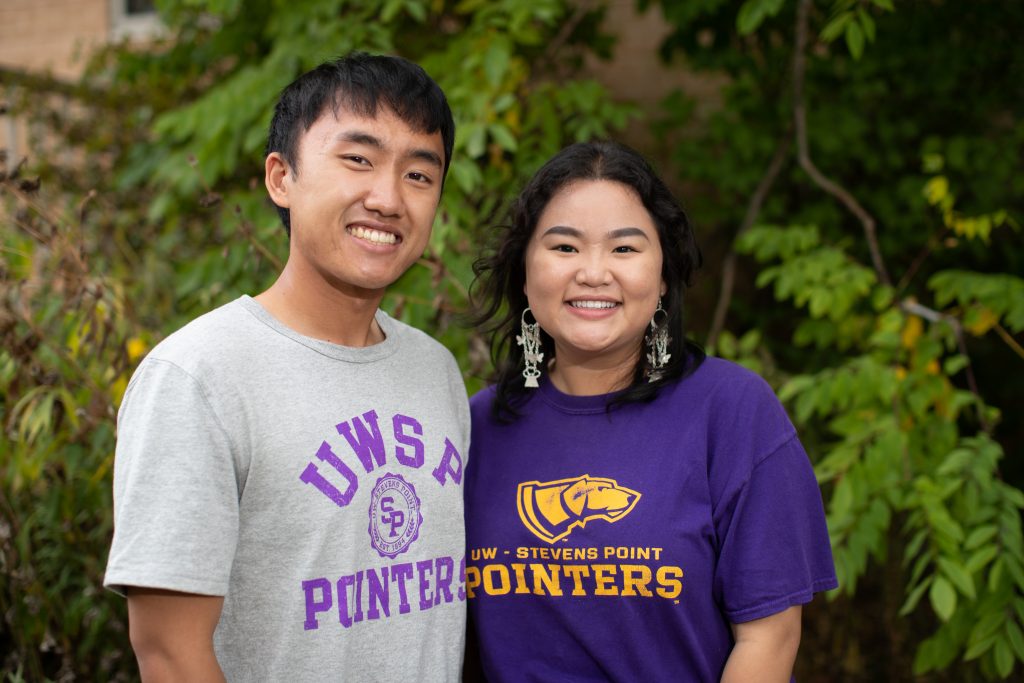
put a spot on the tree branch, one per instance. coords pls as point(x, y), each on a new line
point(565, 32)
point(850, 202)
point(804, 156)
point(753, 211)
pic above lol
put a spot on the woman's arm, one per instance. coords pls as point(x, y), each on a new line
point(172, 635)
point(765, 649)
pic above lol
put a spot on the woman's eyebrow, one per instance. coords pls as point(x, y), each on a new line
point(564, 230)
point(618, 233)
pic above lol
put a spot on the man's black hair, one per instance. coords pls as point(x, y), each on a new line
point(359, 83)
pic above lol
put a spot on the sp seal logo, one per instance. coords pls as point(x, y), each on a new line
point(395, 517)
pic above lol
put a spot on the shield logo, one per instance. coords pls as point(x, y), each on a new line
point(553, 509)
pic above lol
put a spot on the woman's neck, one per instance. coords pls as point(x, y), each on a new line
point(591, 376)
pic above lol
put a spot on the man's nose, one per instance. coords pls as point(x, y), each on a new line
point(384, 195)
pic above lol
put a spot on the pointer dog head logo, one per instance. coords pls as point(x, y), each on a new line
point(553, 509)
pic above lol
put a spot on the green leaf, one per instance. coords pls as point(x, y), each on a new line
point(914, 597)
point(417, 11)
point(979, 536)
point(980, 648)
point(835, 27)
point(932, 163)
point(496, 61)
point(754, 12)
point(1014, 569)
point(855, 39)
point(981, 558)
point(986, 627)
point(1016, 638)
point(867, 23)
point(958, 575)
point(1003, 656)
point(503, 136)
point(943, 598)
point(954, 364)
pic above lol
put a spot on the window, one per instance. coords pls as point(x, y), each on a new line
point(138, 7)
point(134, 20)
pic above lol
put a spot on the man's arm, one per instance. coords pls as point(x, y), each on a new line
point(765, 649)
point(172, 635)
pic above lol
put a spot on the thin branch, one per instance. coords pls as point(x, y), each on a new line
point(919, 260)
point(753, 211)
point(246, 229)
point(55, 222)
point(1010, 341)
point(565, 32)
point(931, 315)
point(804, 156)
point(851, 203)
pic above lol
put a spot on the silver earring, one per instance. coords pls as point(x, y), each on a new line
point(530, 341)
point(657, 340)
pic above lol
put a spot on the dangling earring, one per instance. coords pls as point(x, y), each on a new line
point(530, 341)
point(658, 340)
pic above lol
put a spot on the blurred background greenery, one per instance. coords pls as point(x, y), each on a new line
point(853, 168)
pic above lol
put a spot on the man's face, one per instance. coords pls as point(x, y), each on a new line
point(362, 200)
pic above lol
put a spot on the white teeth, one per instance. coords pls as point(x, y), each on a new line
point(592, 304)
point(375, 236)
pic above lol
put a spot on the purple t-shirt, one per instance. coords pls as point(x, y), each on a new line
point(619, 546)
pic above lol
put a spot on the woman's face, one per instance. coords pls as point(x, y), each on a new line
point(593, 273)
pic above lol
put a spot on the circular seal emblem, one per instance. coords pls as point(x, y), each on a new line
point(395, 517)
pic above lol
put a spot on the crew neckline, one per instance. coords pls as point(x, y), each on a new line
point(570, 403)
point(350, 354)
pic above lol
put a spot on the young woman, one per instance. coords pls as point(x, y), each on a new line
point(634, 510)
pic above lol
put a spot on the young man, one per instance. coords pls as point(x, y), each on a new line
point(287, 486)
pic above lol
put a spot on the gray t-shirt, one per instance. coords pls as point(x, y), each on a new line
point(318, 488)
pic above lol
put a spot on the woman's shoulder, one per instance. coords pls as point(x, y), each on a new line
point(720, 378)
point(735, 403)
point(482, 399)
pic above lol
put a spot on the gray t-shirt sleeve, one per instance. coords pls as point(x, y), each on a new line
point(175, 487)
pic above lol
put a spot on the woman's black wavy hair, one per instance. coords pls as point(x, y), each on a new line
point(498, 291)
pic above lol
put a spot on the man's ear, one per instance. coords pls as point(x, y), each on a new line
point(277, 177)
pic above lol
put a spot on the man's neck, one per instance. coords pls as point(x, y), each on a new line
point(324, 312)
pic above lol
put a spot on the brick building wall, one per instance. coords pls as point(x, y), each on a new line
point(54, 36)
point(49, 35)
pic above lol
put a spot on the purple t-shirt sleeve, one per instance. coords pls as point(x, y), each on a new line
point(774, 548)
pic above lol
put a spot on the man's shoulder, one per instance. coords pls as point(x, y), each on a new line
point(220, 332)
point(415, 340)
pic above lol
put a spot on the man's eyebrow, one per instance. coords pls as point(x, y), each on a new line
point(427, 156)
point(361, 138)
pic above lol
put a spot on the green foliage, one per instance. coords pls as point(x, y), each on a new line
point(883, 378)
point(162, 216)
point(63, 368)
point(900, 448)
point(852, 19)
point(753, 12)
